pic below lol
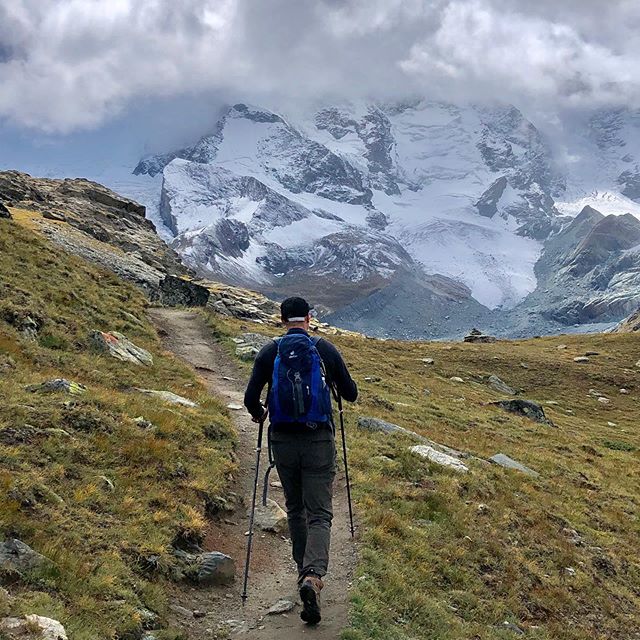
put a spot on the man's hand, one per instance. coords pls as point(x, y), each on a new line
point(263, 417)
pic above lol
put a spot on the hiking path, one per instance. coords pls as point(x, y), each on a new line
point(272, 576)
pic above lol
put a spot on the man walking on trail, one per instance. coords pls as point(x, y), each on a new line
point(301, 371)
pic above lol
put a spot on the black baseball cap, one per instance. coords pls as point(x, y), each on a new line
point(294, 309)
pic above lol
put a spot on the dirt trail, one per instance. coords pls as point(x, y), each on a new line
point(273, 574)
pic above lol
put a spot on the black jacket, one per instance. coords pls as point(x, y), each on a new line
point(336, 369)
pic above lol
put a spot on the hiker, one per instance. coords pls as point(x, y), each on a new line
point(300, 370)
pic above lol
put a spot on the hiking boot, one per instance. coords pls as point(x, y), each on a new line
point(310, 596)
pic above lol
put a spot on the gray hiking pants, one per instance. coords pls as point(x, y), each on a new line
point(306, 464)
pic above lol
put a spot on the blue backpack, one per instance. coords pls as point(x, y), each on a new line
point(299, 390)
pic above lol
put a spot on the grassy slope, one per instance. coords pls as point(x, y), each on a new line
point(52, 495)
point(436, 564)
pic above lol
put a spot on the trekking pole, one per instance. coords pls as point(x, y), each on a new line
point(346, 466)
point(252, 513)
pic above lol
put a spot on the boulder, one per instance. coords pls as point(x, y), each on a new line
point(119, 346)
point(181, 292)
point(18, 557)
point(4, 212)
point(509, 463)
point(442, 459)
point(526, 408)
point(581, 359)
point(32, 626)
point(215, 568)
point(476, 335)
point(204, 568)
point(58, 385)
point(271, 517)
point(168, 396)
point(500, 386)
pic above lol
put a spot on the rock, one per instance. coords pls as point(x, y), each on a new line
point(28, 327)
point(181, 611)
point(107, 483)
point(388, 428)
point(271, 518)
point(527, 408)
point(5, 214)
point(581, 359)
point(604, 400)
point(604, 565)
point(591, 353)
point(234, 626)
point(428, 360)
point(638, 363)
point(54, 215)
point(375, 424)
point(215, 568)
point(234, 406)
point(456, 379)
point(477, 336)
point(509, 463)
point(372, 379)
point(148, 619)
point(248, 345)
point(282, 606)
point(32, 626)
point(170, 397)
point(629, 324)
point(624, 392)
point(145, 424)
point(561, 346)
point(16, 556)
point(120, 347)
point(509, 626)
point(425, 451)
point(58, 385)
point(181, 292)
point(500, 386)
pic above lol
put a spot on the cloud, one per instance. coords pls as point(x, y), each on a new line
point(72, 64)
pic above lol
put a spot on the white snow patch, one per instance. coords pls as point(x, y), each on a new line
point(606, 202)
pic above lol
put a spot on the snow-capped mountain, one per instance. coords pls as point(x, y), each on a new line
point(460, 207)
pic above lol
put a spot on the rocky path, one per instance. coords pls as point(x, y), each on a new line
point(273, 574)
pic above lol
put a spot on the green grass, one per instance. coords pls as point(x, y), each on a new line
point(53, 492)
point(447, 556)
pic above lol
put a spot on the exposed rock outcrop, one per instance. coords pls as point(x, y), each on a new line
point(526, 408)
point(181, 292)
point(476, 335)
point(629, 324)
point(4, 212)
point(101, 226)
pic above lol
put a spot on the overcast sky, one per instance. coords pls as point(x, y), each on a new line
point(74, 65)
